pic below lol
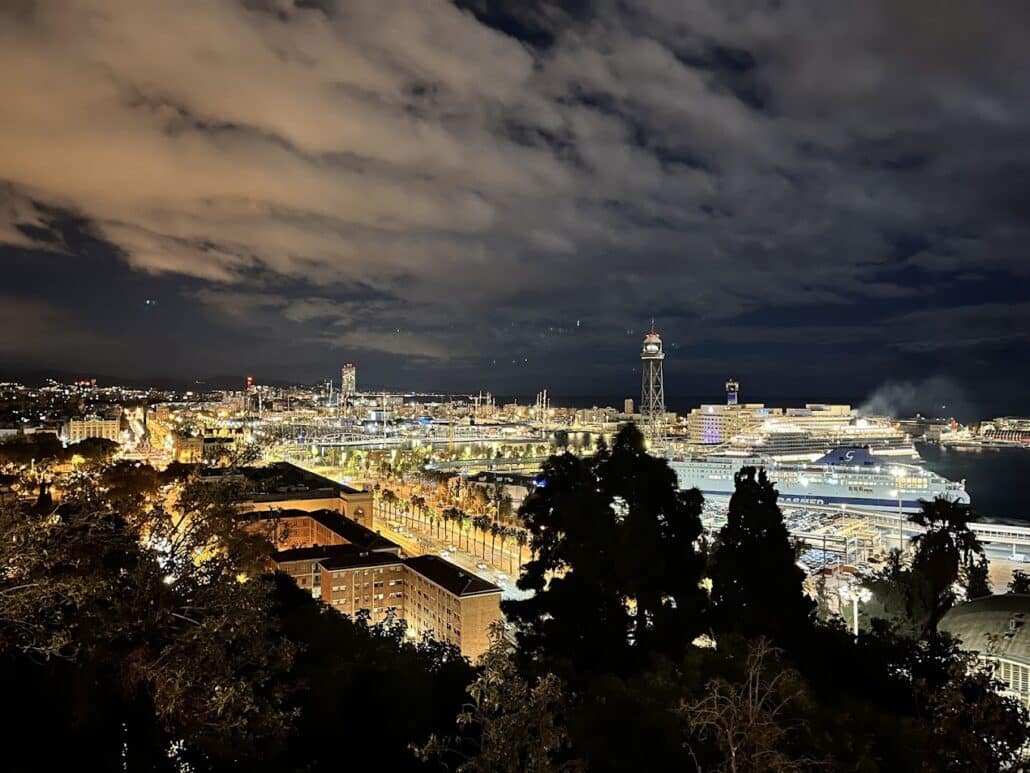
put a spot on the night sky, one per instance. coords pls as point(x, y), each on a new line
point(814, 197)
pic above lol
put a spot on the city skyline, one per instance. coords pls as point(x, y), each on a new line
point(812, 202)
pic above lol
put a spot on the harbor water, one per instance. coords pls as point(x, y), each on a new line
point(997, 479)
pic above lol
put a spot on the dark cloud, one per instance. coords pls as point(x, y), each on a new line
point(442, 190)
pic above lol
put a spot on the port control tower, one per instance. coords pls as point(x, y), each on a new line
point(652, 383)
point(732, 391)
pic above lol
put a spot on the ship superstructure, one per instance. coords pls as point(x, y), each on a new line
point(845, 477)
point(785, 439)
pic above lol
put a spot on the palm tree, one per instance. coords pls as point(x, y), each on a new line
point(450, 515)
point(402, 505)
point(521, 538)
point(504, 533)
point(419, 503)
point(459, 521)
point(455, 523)
point(445, 517)
point(413, 500)
point(481, 523)
point(495, 530)
point(464, 526)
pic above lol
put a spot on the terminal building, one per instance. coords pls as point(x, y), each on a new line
point(713, 424)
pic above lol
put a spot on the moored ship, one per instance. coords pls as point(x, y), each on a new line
point(846, 476)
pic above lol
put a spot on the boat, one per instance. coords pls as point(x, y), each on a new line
point(844, 477)
point(786, 443)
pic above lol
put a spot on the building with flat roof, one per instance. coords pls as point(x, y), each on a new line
point(451, 604)
point(715, 423)
point(304, 528)
point(348, 380)
point(995, 628)
point(304, 564)
point(363, 580)
point(285, 486)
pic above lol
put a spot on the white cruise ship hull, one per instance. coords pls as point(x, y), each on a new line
point(873, 487)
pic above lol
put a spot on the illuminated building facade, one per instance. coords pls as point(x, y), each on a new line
point(348, 380)
point(78, 429)
point(353, 569)
point(714, 424)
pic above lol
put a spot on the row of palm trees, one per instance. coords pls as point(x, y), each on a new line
point(455, 523)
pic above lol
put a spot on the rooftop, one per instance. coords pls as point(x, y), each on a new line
point(314, 553)
point(354, 556)
point(450, 577)
point(283, 480)
point(513, 478)
point(993, 625)
point(352, 531)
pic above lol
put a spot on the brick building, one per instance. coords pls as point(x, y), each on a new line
point(450, 604)
point(352, 568)
point(285, 486)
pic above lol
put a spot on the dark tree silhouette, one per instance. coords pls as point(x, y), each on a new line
point(976, 578)
point(510, 726)
point(154, 641)
point(946, 549)
point(615, 571)
point(1020, 582)
point(756, 583)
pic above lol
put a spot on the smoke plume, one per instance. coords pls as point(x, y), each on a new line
point(934, 397)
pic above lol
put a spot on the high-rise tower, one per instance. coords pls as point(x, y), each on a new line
point(652, 383)
point(348, 379)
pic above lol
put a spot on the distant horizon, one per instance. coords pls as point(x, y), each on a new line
point(936, 398)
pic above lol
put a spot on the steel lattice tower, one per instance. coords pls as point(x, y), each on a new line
point(652, 383)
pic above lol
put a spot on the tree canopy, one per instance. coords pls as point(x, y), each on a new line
point(617, 568)
point(139, 617)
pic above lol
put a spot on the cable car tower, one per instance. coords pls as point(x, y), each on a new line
point(652, 384)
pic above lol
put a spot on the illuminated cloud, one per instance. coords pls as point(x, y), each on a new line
point(452, 180)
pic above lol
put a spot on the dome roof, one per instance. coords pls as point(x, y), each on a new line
point(994, 625)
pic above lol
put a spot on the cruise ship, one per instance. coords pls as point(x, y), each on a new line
point(783, 441)
point(845, 477)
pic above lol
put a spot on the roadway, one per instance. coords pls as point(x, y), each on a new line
point(420, 541)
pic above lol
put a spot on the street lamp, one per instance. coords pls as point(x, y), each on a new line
point(901, 521)
point(855, 594)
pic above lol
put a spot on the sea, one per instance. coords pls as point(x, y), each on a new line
point(996, 478)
